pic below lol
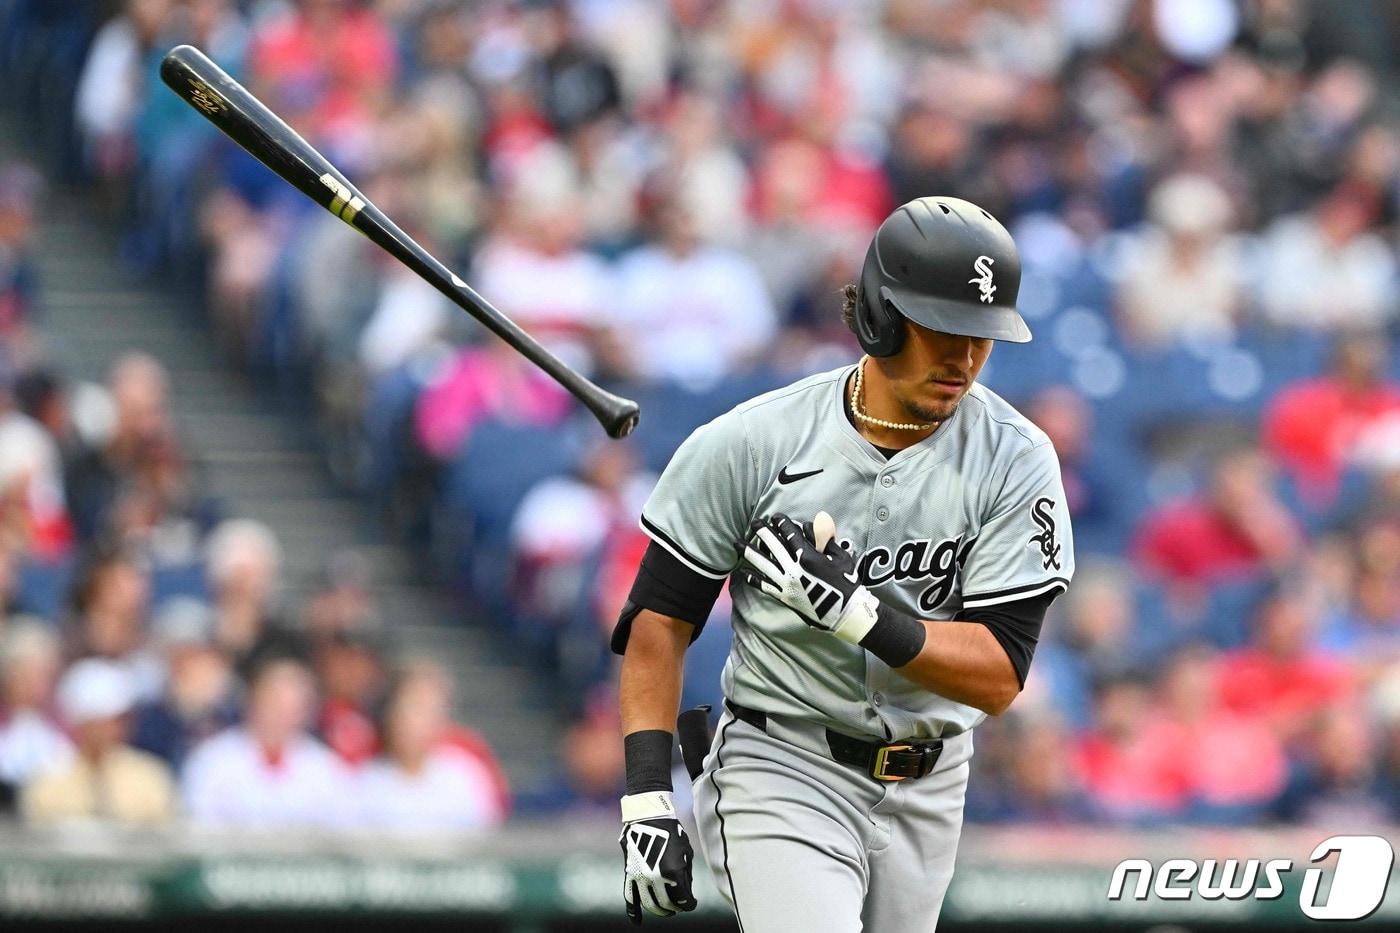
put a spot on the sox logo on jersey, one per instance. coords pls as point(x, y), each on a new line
point(1043, 514)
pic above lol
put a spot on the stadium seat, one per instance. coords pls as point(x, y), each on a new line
point(481, 490)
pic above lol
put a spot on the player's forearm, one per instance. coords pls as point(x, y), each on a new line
point(963, 661)
point(649, 690)
point(656, 849)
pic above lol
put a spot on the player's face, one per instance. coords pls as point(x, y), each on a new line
point(933, 371)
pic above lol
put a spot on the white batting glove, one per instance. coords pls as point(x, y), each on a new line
point(782, 560)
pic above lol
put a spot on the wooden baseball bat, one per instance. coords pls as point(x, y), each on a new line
point(245, 120)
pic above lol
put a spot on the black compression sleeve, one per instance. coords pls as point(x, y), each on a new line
point(666, 586)
point(1016, 625)
point(648, 755)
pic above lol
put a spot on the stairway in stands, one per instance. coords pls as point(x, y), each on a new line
point(262, 462)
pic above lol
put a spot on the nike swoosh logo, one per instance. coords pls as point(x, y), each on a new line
point(784, 477)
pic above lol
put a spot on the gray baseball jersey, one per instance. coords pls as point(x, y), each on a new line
point(972, 516)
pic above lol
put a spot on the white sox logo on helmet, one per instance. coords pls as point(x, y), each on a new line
point(983, 279)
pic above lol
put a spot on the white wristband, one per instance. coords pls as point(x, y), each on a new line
point(652, 805)
point(859, 617)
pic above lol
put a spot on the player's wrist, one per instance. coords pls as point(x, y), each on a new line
point(896, 638)
point(653, 805)
point(859, 615)
point(648, 756)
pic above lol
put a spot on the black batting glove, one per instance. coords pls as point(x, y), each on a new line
point(656, 857)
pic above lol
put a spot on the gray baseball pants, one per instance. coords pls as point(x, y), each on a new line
point(799, 843)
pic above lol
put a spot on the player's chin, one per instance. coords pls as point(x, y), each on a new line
point(939, 407)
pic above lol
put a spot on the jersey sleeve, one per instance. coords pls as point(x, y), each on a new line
point(1026, 547)
point(701, 504)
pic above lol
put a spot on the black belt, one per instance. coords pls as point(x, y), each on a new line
point(893, 761)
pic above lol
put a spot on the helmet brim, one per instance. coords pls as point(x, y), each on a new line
point(965, 318)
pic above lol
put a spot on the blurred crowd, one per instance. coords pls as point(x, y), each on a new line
point(151, 666)
point(672, 196)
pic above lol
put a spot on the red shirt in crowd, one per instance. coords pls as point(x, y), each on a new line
point(1192, 542)
point(467, 742)
point(352, 735)
point(1224, 759)
point(326, 74)
point(1312, 425)
point(1256, 683)
point(349, 731)
point(1129, 778)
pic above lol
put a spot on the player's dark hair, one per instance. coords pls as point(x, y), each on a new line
point(848, 305)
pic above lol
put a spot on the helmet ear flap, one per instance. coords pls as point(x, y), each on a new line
point(879, 325)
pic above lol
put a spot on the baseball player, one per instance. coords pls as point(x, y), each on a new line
point(893, 533)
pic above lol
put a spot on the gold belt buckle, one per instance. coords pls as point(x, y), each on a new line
point(882, 757)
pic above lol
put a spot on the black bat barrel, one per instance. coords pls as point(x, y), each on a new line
point(247, 121)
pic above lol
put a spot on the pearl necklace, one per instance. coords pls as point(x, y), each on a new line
point(870, 419)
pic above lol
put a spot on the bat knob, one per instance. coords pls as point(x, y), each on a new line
point(619, 416)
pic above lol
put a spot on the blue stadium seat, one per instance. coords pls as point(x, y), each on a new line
point(1158, 628)
point(388, 421)
point(1230, 609)
point(481, 490)
point(42, 587)
point(1320, 515)
point(669, 414)
point(188, 579)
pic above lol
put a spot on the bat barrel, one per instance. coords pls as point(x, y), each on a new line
point(245, 120)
